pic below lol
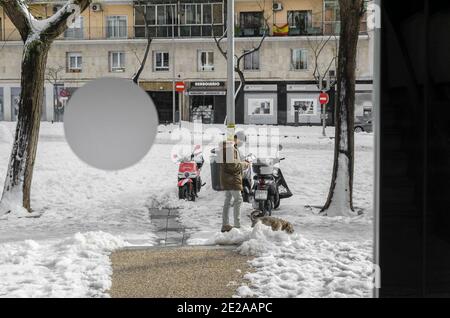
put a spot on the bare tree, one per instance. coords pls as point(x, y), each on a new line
point(37, 36)
point(340, 196)
point(53, 76)
point(239, 58)
point(140, 9)
point(323, 63)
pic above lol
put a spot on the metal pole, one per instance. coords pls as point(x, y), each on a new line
point(173, 64)
point(324, 109)
point(230, 71)
point(376, 121)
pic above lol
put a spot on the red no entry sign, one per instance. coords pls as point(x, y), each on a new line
point(180, 86)
point(324, 98)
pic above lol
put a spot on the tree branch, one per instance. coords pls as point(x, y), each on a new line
point(52, 27)
point(19, 15)
point(46, 29)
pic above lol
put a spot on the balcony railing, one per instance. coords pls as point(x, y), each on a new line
point(185, 31)
point(182, 31)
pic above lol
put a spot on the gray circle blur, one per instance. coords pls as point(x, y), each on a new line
point(110, 123)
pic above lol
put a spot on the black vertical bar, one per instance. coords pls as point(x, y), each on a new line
point(426, 99)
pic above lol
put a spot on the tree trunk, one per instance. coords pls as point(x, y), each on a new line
point(340, 196)
point(144, 60)
point(16, 192)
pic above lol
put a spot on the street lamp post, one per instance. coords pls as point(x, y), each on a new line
point(173, 65)
point(230, 71)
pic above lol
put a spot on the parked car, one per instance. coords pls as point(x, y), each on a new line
point(363, 125)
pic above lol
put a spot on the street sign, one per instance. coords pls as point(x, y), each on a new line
point(324, 98)
point(180, 86)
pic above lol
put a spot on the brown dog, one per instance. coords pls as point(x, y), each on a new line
point(275, 223)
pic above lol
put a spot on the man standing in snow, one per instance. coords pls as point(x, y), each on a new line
point(231, 180)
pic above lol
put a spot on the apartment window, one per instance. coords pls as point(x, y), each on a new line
point(217, 13)
point(331, 19)
point(251, 23)
point(190, 20)
point(191, 14)
point(299, 59)
point(300, 22)
point(251, 61)
point(74, 62)
point(75, 31)
point(161, 61)
point(116, 27)
point(117, 61)
point(207, 14)
point(205, 61)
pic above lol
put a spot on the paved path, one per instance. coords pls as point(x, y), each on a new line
point(169, 230)
point(189, 272)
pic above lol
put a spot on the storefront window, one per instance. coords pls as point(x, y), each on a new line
point(363, 105)
point(304, 107)
point(299, 59)
point(260, 106)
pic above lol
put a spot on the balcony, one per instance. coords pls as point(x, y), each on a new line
point(180, 31)
point(186, 31)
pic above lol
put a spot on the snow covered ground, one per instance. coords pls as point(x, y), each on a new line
point(85, 213)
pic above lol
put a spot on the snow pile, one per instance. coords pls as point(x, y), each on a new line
point(292, 266)
point(77, 266)
point(11, 206)
point(164, 200)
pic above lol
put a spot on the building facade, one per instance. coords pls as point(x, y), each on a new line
point(109, 40)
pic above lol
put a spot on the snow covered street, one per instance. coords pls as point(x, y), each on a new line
point(85, 213)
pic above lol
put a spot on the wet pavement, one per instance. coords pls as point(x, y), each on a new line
point(168, 228)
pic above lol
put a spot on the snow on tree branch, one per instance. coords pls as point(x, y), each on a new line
point(46, 29)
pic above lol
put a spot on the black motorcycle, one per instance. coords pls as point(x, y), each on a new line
point(269, 186)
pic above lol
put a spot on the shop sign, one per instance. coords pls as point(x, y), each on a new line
point(207, 93)
point(301, 88)
point(207, 84)
point(261, 88)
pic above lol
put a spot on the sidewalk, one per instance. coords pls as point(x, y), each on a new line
point(189, 272)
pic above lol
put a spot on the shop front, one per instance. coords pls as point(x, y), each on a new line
point(208, 102)
point(303, 105)
point(162, 96)
point(261, 104)
point(363, 101)
point(61, 96)
point(15, 100)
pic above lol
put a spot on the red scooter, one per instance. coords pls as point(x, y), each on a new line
point(189, 180)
